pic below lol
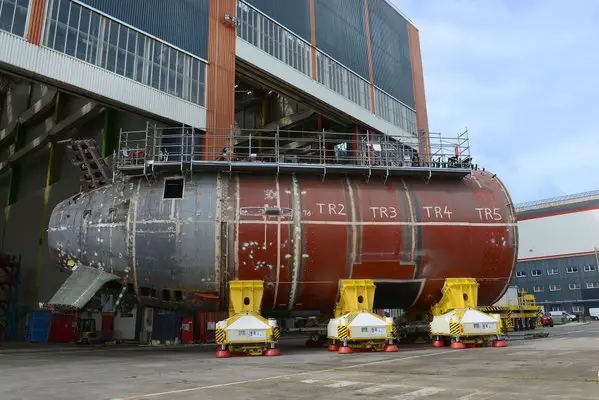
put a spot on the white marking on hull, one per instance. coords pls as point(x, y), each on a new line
point(237, 205)
point(274, 303)
point(412, 219)
point(297, 242)
point(354, 230)
point(217, 230)
point(476, 180)
point(111, 258)
point(133, 244)
point(381, 223)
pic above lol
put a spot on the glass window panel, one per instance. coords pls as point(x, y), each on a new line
point(172, 68)
point(72, 30)
point(8, 9)
point(83, 39)
point(20, 18)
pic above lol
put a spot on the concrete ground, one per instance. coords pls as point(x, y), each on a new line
point(562, 366)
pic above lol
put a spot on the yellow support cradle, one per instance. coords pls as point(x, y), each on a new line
point(458, 293)
point(245, 297)
point(355, 296)
point(246, 331)
point(456, 317)
point(355, 325)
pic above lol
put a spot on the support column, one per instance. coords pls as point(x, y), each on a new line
point(369, 47)
point(313, 37)
point(36, 21)
point(419, 97)
point(52, 176)
point(221, 79)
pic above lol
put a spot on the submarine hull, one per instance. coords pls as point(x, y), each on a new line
point(175, 242)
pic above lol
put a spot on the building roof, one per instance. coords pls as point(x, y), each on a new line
point(558, 205)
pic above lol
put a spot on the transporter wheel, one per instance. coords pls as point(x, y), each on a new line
point(532, 323)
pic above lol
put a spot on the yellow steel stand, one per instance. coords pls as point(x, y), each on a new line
point(355, 325)
point(455, 316)
point(246, 332)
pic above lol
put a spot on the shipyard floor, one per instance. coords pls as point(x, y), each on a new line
point(561, 366)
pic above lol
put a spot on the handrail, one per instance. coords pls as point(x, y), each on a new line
point(181, 146)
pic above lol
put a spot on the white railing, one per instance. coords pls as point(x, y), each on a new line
point(271, 37)
point(78, 31)
point(180, 146)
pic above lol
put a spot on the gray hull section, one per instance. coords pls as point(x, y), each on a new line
point(131, 231)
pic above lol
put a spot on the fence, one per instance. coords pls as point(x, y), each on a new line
point(181, 146)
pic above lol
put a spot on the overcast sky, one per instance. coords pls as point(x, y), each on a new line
point(523, 76)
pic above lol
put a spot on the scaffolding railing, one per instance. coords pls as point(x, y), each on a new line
point(185, 148)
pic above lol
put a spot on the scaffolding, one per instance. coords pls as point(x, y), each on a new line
point(157, 149)
point(10, 267)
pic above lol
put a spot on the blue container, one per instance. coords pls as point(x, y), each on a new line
point(37, 326)
point(167, 325)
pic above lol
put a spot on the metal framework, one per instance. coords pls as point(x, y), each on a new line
point(162, 149)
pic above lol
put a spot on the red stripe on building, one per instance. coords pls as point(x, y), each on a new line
point(369, 47)
point(553, 214)
point(36, 21)
point(418, 85)
point(583, 253)
point(313, 37)
point(220, 102)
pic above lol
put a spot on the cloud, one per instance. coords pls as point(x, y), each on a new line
point(524, 78)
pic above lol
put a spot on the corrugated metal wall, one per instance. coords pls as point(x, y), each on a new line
point(341, 33)
point(390, 50)
point(182, 23)
point(294, 15)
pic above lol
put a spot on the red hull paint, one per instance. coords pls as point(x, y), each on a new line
point(402, 231)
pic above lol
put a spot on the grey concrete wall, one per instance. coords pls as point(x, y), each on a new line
point(23, 232)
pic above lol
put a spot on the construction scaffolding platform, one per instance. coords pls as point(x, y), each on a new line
point(157, 149)
point(10, 267)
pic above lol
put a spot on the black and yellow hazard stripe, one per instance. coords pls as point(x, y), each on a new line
point(342, 332)
point(276, 333)
point(454, 329)
point(220, 336)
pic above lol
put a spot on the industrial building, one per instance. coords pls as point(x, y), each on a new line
point(89, 69)
point(558, 254)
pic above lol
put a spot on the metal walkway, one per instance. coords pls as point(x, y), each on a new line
point(157, 150)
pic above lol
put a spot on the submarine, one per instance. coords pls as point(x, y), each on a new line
point(177, 239)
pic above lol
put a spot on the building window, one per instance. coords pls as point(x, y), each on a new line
point(554, 288)
point(556, 308)
point(535, 272)
point(522, 290)
point(13, 16)
point(577, 309)
point(538, 289)
point(592, 285)
point(590, 268)
point(571, 270)
point(574, 286)
point(79, 32)
point(552, 271)
point(520, 274)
